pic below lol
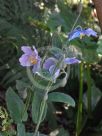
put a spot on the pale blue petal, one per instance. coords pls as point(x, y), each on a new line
point(36, 67)
point(78, 32)
point(27, 50)
point(49, 62)
point(24, 60)
point(74, 35)
point(71, 61)
point(56, 74)
point(90, 32)
point(52, 69)
point(35, 51)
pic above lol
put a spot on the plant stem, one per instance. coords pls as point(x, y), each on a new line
point(40, 117)
point(26, 104)
point(79, 114)
point(89, 91)
point(81, 5)
point(42, 108)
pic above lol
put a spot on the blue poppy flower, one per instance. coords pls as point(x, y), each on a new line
point(51, 64)
point(78, 32)
point(30, 58)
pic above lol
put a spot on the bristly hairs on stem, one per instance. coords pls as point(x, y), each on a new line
point(42, 108)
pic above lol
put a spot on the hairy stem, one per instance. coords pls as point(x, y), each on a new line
point(40, 117)
point(79, 114)
point(26, 104)
point(42, 108)
point(89, 90)
point(80, 10)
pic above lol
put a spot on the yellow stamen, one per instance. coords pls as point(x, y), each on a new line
point(81, 36)
point(32, 60)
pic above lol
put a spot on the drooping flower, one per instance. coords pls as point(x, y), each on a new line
point(79, 32)
point(30, 58)
point(52, 65)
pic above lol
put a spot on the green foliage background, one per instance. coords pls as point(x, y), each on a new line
point(29, 22)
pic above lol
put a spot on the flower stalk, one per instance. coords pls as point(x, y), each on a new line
point(27, 103)
point(89, 91)
point(43, 104)
point(40, 117)
point(80, 104)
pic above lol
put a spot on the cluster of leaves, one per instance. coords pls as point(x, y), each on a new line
point(23, 22)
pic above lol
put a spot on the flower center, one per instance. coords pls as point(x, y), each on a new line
point(32, 60)
point(82, 35)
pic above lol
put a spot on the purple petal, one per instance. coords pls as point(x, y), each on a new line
point(90, 32)
point(56, 74)
point(71, 61)
point(24, 60)
point(35, 51)
point(26, 49)
point(36, 67)
point(52, 69)
point(78, 32)
point(49, 62)
point(74, 34)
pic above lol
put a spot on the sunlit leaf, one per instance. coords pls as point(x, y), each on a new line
point(61, 97)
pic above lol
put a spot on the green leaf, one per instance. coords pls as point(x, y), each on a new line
point(51, 117)
point(63, 132)
point(55, 50)
point(3, 134)
point(90, 55)
point(95, 97)
point(15, 106)
point(29, 134)
point(88, 48)
point(32, 134)
point(55, 20)
point(21, 130)
point(61, 97)
point(36, 107)
point(40, 82)
point(21, 85)
point(56, 40)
